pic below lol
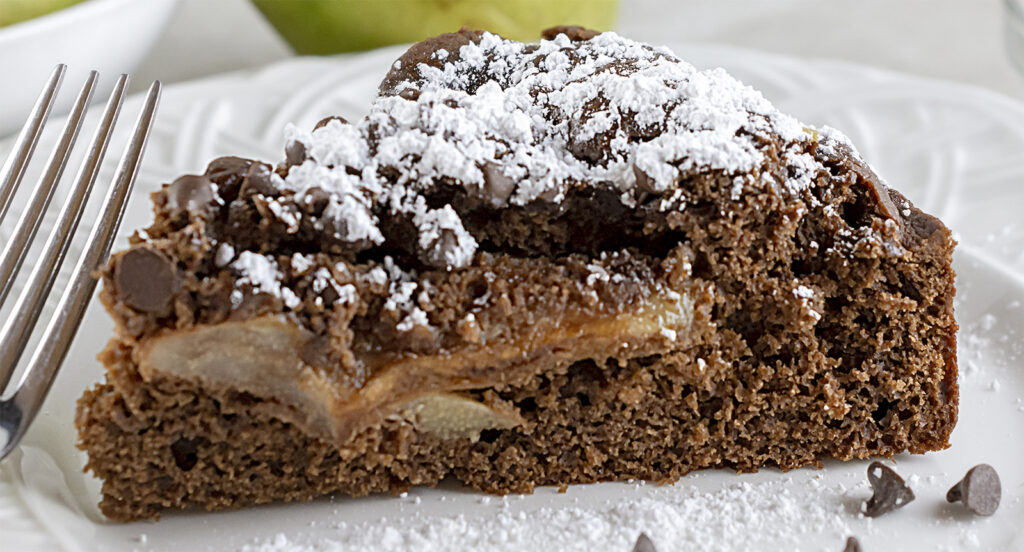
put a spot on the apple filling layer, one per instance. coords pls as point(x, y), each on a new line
point(262, 356)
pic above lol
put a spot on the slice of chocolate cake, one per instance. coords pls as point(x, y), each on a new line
point(569, 261)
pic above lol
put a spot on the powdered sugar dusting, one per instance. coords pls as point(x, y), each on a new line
point(675, 518)
point(516, 123)
point(262, 273)
point(442, 237)
point(347, 214)
point(400, 302)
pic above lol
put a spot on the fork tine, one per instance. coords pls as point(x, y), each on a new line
point(52, 348)
point(18, 329)
point(14, 167)
point(18, 244)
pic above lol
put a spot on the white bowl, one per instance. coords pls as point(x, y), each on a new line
point(110, 36)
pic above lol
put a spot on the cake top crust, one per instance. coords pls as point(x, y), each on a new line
point(515, 124)
point(583, 147)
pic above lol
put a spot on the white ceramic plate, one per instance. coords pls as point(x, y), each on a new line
point(957, 152)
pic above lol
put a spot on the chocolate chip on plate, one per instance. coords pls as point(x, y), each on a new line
point(146, 280)
point(979, 490)
point(890, 491)
point(644, 544)
point(852, 545)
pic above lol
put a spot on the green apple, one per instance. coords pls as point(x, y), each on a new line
point(16, 11)
point(331, 26)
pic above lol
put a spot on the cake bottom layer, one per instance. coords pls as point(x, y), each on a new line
point(166, 444)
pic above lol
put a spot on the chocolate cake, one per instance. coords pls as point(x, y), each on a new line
point(569, 261)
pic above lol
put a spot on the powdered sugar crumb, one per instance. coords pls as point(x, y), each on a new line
point(443, 239)
point(224, 255)
point(806, 294)
point(301, 263)
point(400, 301)
point(803, 292)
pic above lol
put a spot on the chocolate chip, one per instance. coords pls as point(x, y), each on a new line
point(644, 544)
point(498, 186)
point(330, 295)
point(225, 168)
point(593, 150)
point(146, 280)
point(407, 67)
point(189, 194)
point(637, 131)
point(323, 122)
point(890, 491)
point(574, 32)
point(852, 545)
point(644, 182)
point(411, 94)
point(979, 490)
point(295, 153)
point(440, 250)
point(258, 181)
point(227, 165)
point(228, 173)
point(316, 200)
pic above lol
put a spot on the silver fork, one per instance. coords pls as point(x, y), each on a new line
point(19, 406)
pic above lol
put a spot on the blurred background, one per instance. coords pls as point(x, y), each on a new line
point(177, 40)
point(949, 39)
